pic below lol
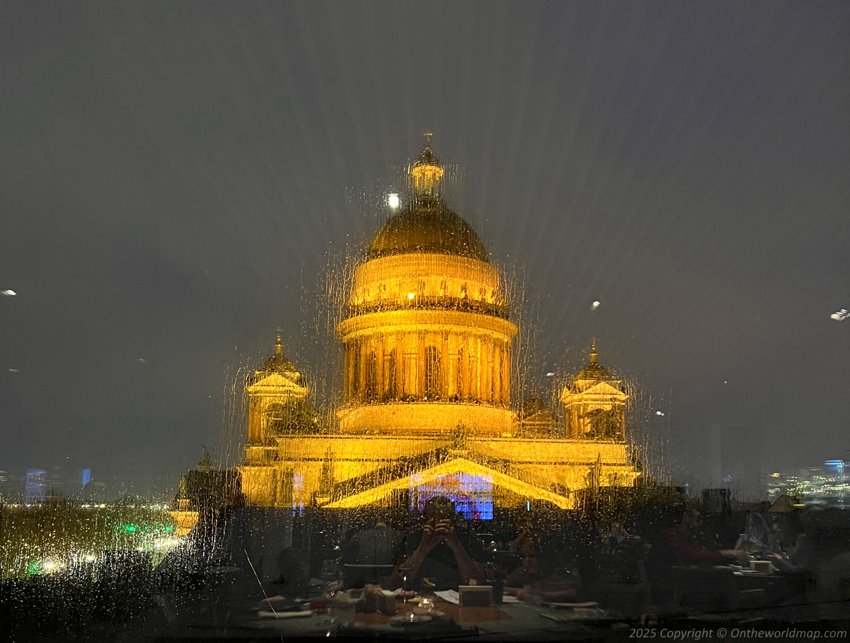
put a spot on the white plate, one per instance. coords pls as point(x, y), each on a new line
point(586, 604)
point(411, 618)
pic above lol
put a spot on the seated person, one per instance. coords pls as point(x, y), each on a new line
point(541, 573)
point(800, 558)
point(758, 537)
point(616, 536)
point(679, 544)
point(439, 555)
point(371, 554)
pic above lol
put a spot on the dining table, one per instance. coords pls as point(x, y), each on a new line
point(444, 619)
point(731, 588)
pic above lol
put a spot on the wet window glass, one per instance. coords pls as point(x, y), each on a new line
point(490, 320)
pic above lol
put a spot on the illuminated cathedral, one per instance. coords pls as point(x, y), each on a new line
point(427, 335)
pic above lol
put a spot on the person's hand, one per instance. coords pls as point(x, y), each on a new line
point(444, 531)
point(740, 555)
point(430, 538)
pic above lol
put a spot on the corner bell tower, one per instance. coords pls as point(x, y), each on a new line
point(594, 403)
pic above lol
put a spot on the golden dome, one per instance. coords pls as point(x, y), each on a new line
point(430, 227)
point(427, 225)
point(278, 363)
point(594, 370)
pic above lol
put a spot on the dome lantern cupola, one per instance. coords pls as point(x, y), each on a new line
point(426, 174)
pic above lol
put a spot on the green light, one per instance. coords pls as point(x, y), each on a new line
point(33, 568)
point(130, 528)
point(169, 528)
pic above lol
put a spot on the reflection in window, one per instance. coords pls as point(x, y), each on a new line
point(472, 495)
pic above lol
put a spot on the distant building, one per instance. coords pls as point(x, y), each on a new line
point(828, 484)
point(6, 492)
point(428, 334)
point(35, 488)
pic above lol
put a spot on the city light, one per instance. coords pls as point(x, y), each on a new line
point(596, 304)
point(50, 566)
point(393, 201)
point(840, 315)
point(11, 293)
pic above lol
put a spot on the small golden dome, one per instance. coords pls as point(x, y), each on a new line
point(278, 363)
point(594, 370)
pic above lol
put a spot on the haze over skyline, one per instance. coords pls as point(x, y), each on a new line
point(175, 181)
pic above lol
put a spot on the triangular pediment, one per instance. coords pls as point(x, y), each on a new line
point(278, 384)
point(453, 466)
point(604, 388)
point(599, 389)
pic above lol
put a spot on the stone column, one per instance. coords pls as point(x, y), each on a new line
point(420, 389)
point(350, 347)
point(364, 361)
point(398, 347)
point(506, 373)
point(452, 365)
point(379, 367)
point(465, 375)
point(489, 386)
point(497, 372)
point(476, 365)
point(445, 367)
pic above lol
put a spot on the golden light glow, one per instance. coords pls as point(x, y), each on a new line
point(458, 465)
point(184, 522)
point(427, 336)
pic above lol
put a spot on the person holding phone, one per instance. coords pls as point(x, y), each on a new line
point(441, 559)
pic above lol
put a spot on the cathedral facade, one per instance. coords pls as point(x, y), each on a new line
point(427, 335)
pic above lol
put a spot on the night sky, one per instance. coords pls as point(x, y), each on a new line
point(176, 179)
